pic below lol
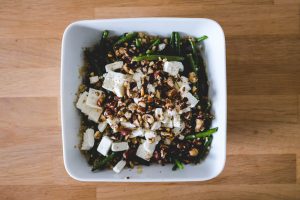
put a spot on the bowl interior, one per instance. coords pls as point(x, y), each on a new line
point(86, 33)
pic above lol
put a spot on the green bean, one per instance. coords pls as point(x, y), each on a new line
point(202, 134)
point(199, 39)
point(179, 164)
point(177, 43)
point(126, 38)
point(99, 164)
point(156, 42)
point(105, 34)
point(192, 63)
point(138, 43)
point(156, 57)
point(172, 41)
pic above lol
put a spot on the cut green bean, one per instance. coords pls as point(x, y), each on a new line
point(172, 41)
point(179, 164)
point(192, 63)
point(126, 38)
point(156, 42)
point(105, 34)
point(138, 43)
point(99, 164)
point(199, 39)
point(202, 134)
point(156, 57)
point(177, 43)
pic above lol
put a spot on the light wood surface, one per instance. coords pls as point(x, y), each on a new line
point(263, 71)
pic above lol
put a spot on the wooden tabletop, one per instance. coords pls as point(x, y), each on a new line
point(263, 71)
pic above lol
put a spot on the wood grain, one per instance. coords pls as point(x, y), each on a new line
point(262, 46)
point(230, 192)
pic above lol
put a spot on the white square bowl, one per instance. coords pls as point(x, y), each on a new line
point(85, 34)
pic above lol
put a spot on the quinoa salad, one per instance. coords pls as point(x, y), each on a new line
point(144, 100)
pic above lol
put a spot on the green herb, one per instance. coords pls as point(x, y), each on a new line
point(179, 164)
point(138, 43)
point(101, 163)
point(156, 42)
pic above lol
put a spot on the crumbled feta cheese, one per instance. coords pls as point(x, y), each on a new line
point(94, 79)
point(114, 66)
point(119, 166)
point(114, 81)
point(150, 88)
point(143, 153)
point(191, 99)
point(104, 145)
point(128, 125)
point(81, 100)
point(176, 121)
point(113, 123)
point(155, 126)
point(119, 146)
point(94, 115)
point(102, 126)
point(158, 113)
point(88, 139)
point(173, 67)
point(137, 76)
point(93, 97)
point(138, 132)
point(184, 79)
point(181, 137)
point(161, 46)
point(170, 113)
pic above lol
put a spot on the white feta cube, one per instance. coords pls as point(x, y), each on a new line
point(93, 97)
point(155, 126)
point(88, 139)
point(119, 166)
point(173, 67)
point(191, 99)
point(114, 66)
point(149, 134)
point(119, 146)
point(114, 81)
point(104, 145)
point(138, 132)
point(94, 115)
point(176, 121)
point(149, 147)
point(143, 153)
point(81, 100)
point(168, 123)
point(102, 126)
point(94, 79)
point(128, 125)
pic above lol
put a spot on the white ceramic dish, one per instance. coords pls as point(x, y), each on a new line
point(86, 33)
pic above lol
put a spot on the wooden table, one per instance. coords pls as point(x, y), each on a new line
point(263, 70)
